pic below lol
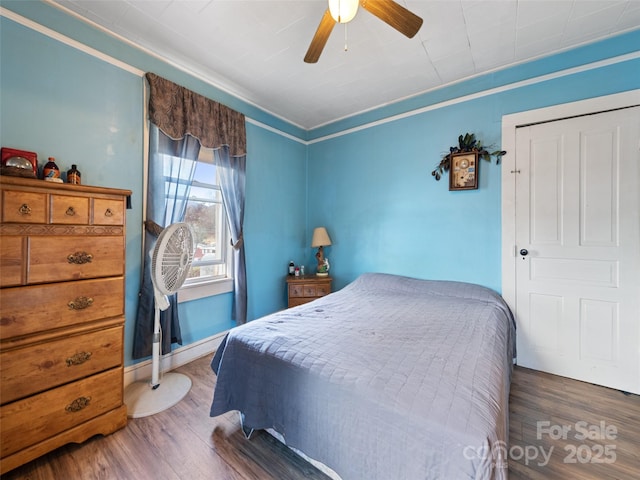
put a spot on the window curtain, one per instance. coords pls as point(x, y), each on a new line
point(171, 169)
point(181, 121)
point(232, 183)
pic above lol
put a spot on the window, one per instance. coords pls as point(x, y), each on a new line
point(205, 213)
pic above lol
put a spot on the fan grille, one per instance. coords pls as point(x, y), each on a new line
point(172, 257)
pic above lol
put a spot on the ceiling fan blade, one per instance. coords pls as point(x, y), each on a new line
point(320, 38)
point(395, 15)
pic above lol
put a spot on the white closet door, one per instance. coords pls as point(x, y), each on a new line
point(577, 206)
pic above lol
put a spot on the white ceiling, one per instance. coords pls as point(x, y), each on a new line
point(254, 49)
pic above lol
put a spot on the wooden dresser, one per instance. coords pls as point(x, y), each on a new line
point(303, 289)
point(62, 266)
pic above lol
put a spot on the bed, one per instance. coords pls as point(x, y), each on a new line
point(390, 377)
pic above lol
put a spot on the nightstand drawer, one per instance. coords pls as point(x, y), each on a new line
point(295, 301)
point(304, 289)
point(296, 290)
point(309, 290)
point(322, 290)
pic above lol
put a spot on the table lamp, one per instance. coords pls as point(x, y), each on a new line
point(321, 239)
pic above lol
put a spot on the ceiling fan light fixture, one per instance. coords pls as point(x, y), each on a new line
point(343, 11)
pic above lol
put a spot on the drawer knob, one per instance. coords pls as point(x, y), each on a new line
point(78, 404)
point(70, 212)
point(80, 303)
point(108, 213)
point(79, 258)
point(24, 209)
point(78, 358)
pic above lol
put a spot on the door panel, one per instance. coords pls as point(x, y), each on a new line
point(599, 188)
point(545, 212)
point(577, 207)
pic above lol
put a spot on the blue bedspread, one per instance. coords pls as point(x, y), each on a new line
point(389, 378)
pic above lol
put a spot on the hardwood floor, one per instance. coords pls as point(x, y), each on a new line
point(554, 414)
point(185, 443)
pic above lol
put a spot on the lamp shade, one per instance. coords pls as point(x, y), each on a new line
point(320, 238)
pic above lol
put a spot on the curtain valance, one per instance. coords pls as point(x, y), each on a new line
point(178, 111)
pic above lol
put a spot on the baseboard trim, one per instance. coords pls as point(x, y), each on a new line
point(174, 359)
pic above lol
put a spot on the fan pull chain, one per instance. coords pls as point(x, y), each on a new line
point(345, 38)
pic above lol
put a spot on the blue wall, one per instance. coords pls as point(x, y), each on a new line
point(275, 216)
point(383, 209)
point(59, 101)
point(385, 212)
point(372, 188)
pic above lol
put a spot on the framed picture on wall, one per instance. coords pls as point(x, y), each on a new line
point(463, 171)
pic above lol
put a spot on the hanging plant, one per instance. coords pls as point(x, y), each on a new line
point(466, 143)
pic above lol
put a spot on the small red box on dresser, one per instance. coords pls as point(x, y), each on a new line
point(8, 153)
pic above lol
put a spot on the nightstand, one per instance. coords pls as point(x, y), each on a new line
point(306, 288)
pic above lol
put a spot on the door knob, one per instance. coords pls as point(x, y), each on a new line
point(524, 252)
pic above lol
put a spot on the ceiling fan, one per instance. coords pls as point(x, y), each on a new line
point(343, 11)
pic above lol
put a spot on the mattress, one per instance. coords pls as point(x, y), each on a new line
point(390, 377)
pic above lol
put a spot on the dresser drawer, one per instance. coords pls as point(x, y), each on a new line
point(69, 210)
point(60, 258)
point(37, 308)
point(108, 212)
point(39, 367)
point(33, 419)
point(11, 266)
point(23, 207)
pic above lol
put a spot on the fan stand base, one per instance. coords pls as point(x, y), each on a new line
point(143, 401)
